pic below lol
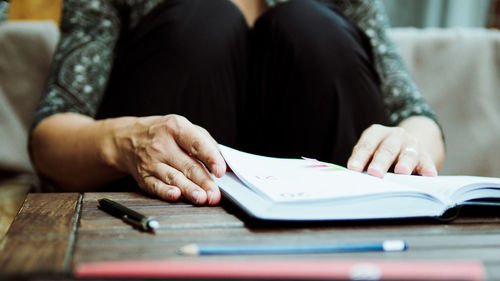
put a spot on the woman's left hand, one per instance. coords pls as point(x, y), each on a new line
point(415, 146)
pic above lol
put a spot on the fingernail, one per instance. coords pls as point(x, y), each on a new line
point(171, 194)
point(403, 169)
point(430, 172)
point(355, 165)
point(210, 195)
point(195, 195)
point(375, 167)
point(220, 169)
point(217, 169)
point(375, 170)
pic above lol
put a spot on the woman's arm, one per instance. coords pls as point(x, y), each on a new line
point(76, 83)
point(83, 59)
point(402, 98)
point(412, 141)
point(166, 155)
point(65, 143)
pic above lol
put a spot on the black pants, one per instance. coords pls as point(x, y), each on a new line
point(301, 82)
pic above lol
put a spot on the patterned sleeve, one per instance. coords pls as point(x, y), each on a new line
point(83, 60)
point(401, 96)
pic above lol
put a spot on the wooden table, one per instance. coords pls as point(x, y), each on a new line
point(53, 233)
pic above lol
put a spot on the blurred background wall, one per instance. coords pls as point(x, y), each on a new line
point(416, 13)
point(443, 13)
point(34, 9)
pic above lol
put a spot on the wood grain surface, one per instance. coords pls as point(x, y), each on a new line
point(40, 239)
point(48, 218)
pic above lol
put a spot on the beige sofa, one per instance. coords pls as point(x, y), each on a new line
point(25, 54)
point(458, 70)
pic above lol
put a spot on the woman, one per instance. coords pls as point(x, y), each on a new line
point(313, 78)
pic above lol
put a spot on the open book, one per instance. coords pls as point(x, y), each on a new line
point(307, 189)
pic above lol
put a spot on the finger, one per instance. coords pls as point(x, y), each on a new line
point(426, 166)
point(196, 172)
point(408, 158)
point(386, 154)
point(155, 186)
point(366, 146)
point(197, 144)
point(207, 134)
point(173, 177)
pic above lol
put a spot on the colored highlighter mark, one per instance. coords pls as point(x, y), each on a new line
point(327, 166)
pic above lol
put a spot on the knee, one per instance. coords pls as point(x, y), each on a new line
point(198, 32)
point(219, 30)
point(318, 38)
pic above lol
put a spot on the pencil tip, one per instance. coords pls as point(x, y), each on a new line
point(394, 245)
point(189, 250)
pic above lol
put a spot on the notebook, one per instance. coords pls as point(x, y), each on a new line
point(307, 189)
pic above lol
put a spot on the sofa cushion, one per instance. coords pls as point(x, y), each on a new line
point(26, 53)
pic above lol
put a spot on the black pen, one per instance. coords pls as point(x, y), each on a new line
point(138, 220)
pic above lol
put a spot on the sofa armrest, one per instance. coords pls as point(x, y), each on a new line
point(25, 58)
point(458, 72)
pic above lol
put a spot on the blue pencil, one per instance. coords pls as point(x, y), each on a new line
point(259, 249)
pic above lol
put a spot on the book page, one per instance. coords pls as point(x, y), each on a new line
point(443, 187)
point(296, 180)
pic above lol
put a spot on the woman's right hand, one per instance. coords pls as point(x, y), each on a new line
point(168, 156)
